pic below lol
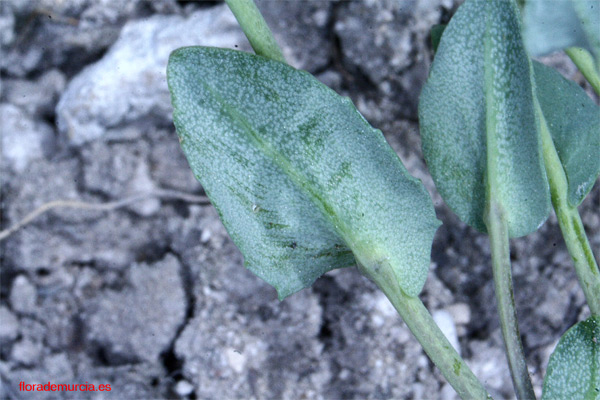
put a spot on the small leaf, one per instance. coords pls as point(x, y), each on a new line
point(574, 369)
point(302, 182)
point(478, 92)
point(558, 24)
point(573, 120)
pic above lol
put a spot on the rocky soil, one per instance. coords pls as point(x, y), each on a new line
point(152, 298)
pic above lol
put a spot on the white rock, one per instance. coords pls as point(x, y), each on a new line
point(139, 323)
point(488, 363)
point(205, 236)
point(129, 82)
point(9, 325)
point(36, 97)
point(461, 313)
point(444, 320)
point(23, 140)
point(58, 367)
point(184, 388)
point(7, 29)
point(383, 305)
point(27, 352)
point(142, 183)
point(236, 360)
point(23, 295)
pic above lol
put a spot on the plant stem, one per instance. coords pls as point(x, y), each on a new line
point(585, 63)
point(435, 344)
point(498, 232)
point(570, 222)
point(497, 227)
point(256, 29)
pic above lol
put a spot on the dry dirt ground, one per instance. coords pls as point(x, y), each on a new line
point(152, 298)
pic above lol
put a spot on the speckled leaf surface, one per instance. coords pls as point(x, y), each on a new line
point(302, 182)
point(574, 367)
point(468, 103)
point(573, 120)
point(552, 25)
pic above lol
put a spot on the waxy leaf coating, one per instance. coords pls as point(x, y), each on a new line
point(479, 92)
point(552, 25)
point(573, 120)
point(574, 368)
point(302, 182)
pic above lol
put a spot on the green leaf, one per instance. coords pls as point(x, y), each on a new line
point(558, 24)
point(478, 92)
point(588, 12)
point(574, 369)
point(302, 182)
point(573, 120)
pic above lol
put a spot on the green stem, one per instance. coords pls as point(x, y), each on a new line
point(435, 344)
point(256, 29)
point(570, 222)
point(498, 232)
point(585, 63)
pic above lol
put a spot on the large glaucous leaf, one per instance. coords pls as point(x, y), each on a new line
point(302, 182)
point(552, 25)
point(573, 120)
point(574, 368)
point(479, 91)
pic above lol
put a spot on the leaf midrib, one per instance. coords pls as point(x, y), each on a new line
point(491, 183)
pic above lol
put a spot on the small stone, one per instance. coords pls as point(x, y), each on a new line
point(9, 325)
point(58, 366)
point(169, 168)
point(444, 320)
point(142, 183)
point(23, 140)
point(485, 366)
point(377, 320)
point(320, 17)
point(23, 295)
point(344, 374)
point(383, 305)
point(461, 313)
point(236, 360)
point(27, 352)
point(554, 307)
point(183, 388)
point(205, 236)
point(119, 172)
point(38, 98)
point(418, 391)
point(140, 322)
point(7, 29)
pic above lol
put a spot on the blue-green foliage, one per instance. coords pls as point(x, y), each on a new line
point(476, 112)
point(302, 182)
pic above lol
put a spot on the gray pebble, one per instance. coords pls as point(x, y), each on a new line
point(9, 326)
point(23, 295)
